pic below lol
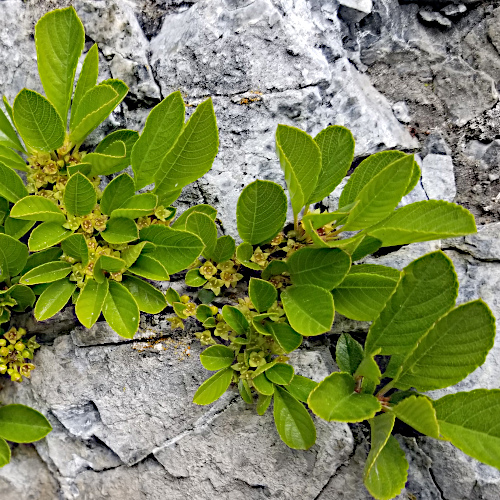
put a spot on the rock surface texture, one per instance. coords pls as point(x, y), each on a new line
point(419, 76)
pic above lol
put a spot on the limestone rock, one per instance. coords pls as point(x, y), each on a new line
point(438, 177)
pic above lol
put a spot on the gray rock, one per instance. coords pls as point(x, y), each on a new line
point(465, 91)
point(354, 10)
point(435, 144)
point(26, 477)
point(483, 245)
point(401, 111)
point(430, 16)
point(438, 177)
point(454, 9)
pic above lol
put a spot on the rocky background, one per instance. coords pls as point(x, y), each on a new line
point(421, 76)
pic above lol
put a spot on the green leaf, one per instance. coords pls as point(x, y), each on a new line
point(365, 290)
point(386, 468)
point(245, 391)
point(110, 162)
point(194, 278)
point(300, 160)
point(121, 310)
point(86, 80)
point(37, 208)
point(420, 414)
point(132, 252)
point(381, 195)
point(112, 144)
point(54, 298)
point(293, 422)
point(301, 387)
point(76, 246)
point(172, 296)
point(323, 267)
point(13, 256)
point(116, 193)
point(11, 185)
point(83, 168)
point(120, 230)
point(37, 121)
point(8, 136)
point(261, 212)
point(17, 228)
point(192, 154)
point(22, 424)
point(204, 227)
point(94, 107)
point(263, 385)
point(140, 205)
point(335, 399)
point(59, 39)
point(280, 373)
point(428, 289)
point(148, 298)
point(454, 347)
point(149, 267)
point(309, 309)
point(180, 223)
point(274, 268)
point(224, 249)
point(176, 249)
point(336, 145)
point(12, 160)
point(90, 301)
point(4, 210)
point(263, 404)
point(39, 258)
point(235, 319)
point(4, 453)
point(470, 421)
point(285, 336)
point(8, 108)
point(262, 294)
point(46, 235)
point(244, 253)
point(366, 246)
point(217, 357)
point(163, 127)
point(214, 387)
point(24, 297)
point(424, 221)
point(348, 354)
point(365, 172)
point(46, 273)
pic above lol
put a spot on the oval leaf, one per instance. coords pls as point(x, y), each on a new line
point(37, 208)
point(37, 121)
point(90, 301)
point(54, 298)
point(309, 309)
point(324, 267)
point(80, 195)
point(4, 453)
point(13, 256)
point(120, 230)
point(280, 373)
point(11, 185)
point(47, 273)
point(217, 357)
point(214, 387)
point(22, 424)
point(261, 212)
point(293, 422)
point(121, 310)
point(335, 399)
point(46, 235)
point(148, 298)
point(262, 294)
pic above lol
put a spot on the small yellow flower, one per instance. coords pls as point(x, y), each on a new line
point(207, 270)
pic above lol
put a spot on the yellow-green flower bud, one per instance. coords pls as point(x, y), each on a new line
point(20, 347)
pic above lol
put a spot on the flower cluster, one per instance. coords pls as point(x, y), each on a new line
point(16, 354)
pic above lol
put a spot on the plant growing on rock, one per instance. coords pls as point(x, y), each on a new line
point(90, 245)
point(298, 278)
point(96, 244)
